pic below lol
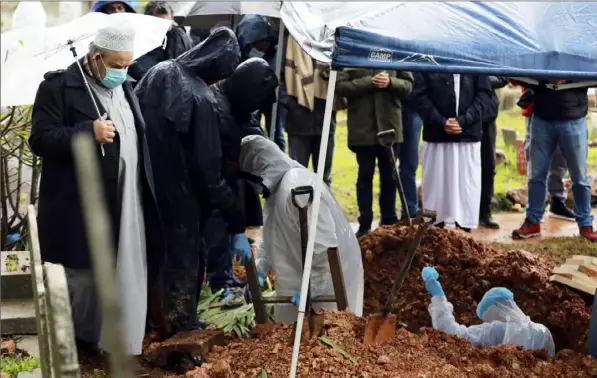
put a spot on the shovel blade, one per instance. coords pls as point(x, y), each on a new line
point(380, 329)
point(316, 323)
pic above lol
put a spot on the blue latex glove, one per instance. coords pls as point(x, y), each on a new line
point(241, 248)
point(432, 285)
point(260, 279)
point(296, 297)
point(429, 273)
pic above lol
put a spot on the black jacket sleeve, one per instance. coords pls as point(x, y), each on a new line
point(50, 137)
point(498, 82)
point(482, 107)
point(428, 112)
point(206, 162)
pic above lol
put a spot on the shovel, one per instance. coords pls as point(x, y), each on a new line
point(314, 319)
point(386, 139)
point(382, 327)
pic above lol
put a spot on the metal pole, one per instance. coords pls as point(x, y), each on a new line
point(325, 134)
point(99, 238)
point(593, 329)
point(279, 56)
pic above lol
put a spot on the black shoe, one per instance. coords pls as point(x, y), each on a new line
point(362, 232)
point(467, 230)
point(487, 221)
point(441, 225)
point(559, 210)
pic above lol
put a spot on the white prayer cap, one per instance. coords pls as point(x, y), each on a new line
point(115, 38)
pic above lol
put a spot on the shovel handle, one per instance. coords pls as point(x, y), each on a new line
point(412, 248)
point(300, 191)
point(387, 137)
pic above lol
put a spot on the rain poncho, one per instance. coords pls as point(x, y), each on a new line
point(280, 247)
point(183, 129)
point(183, 134)
point(503, 323)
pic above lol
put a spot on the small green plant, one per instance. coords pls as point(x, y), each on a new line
point(262, 374)
point(331, 344)
point(13, 364)
point(240, 320)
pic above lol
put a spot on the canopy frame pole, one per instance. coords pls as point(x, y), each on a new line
point(325, 134)
point(279, 55)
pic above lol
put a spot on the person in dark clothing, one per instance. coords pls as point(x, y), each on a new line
point(177, 42)
point(374, 105)
point(62, 109)
point(488, 155)
point(559, 119)
point(250, 88)
point(183, 133)
point(110, 7)
point(257, 38)
point(453, 108)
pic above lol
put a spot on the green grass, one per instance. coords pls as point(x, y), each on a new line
point(344, 169)
point(13, 365)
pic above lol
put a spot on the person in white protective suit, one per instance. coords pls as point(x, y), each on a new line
point(273, 174)
point(503, 321)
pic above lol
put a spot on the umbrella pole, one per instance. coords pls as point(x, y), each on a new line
point(99, 116)
point(279, 54)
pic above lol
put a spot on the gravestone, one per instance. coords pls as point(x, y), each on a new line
point(510, 137)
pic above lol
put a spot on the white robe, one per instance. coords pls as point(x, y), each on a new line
point(131, 264)
point(452, 178)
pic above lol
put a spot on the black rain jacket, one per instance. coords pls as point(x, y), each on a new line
point(251, 87)
point(183, 131)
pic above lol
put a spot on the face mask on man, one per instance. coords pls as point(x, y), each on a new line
point(114, 77)
point(254, 53)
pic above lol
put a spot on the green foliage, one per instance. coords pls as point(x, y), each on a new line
point(331, 344)
point(262, 374)
point(240, 320)
point(13, 365)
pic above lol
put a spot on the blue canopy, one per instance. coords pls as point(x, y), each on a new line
point(523, 39)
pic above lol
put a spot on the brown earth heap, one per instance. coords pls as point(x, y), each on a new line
point(430, 353)
point(467, 270)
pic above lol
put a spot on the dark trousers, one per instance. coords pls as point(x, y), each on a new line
point(408, 158)
point(279, 132)
point(366, 158)
point(487, 167)
point(219, 257)
point(303, 148)
point(185, 264)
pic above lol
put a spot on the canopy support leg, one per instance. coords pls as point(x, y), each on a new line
point(279, 55)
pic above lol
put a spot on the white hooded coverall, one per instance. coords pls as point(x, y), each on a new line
point(503, 323)
point(280, 247)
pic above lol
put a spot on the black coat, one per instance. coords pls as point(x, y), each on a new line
point(436, 102)
point(63, 108)
point(251, 87)
point(183, 132)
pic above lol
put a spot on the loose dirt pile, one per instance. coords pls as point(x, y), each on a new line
point(467, 270)
point(428, 354)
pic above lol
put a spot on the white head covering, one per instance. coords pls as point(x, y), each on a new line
point(115, 38)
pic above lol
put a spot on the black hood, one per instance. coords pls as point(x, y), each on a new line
point(215, 58)
point(251, 87)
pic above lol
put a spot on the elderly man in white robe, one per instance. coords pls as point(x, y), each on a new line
point(63, 108)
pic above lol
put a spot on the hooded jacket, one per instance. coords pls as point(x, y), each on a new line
point(183, 131)
point(253, 28)
point(251, 87)
point(99, 6)
point(280, 248)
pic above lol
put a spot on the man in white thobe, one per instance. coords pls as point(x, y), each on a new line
point(63, 108)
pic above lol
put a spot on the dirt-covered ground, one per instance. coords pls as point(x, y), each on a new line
point(467, 269)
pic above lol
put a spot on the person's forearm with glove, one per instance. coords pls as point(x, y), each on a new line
point(442, 313)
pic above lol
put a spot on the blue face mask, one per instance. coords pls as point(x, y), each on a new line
point(254, 53)
point(114, 76)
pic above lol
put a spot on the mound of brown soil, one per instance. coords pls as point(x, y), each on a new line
point(467, 270)
point(430, 353)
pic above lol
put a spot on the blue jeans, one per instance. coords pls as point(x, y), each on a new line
point(219, 256)
point(572, 138)
point(408, 158)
